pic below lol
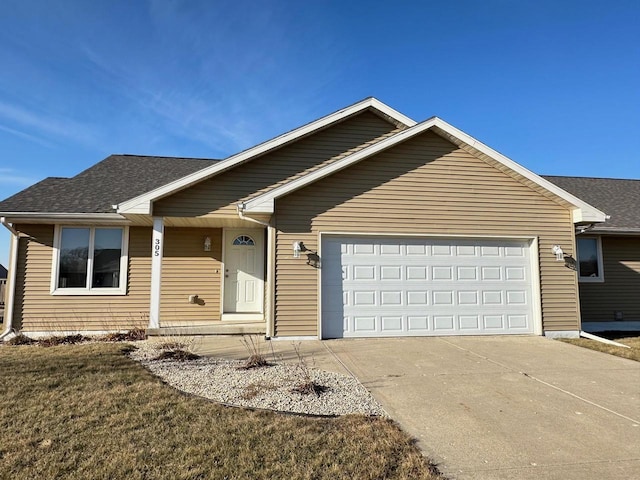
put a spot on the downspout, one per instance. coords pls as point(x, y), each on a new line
point(591, 336)
point(13, 255)
point(270, 269)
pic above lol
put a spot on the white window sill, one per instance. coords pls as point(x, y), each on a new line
point(590, 280)
point(87, 292)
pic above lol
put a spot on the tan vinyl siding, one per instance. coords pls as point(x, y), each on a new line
point(425, 186)
point(37, 310)
point(188, 270)
point(620, 290)
point(219, 195)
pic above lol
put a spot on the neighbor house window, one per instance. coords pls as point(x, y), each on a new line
point(90, 260)
point(590, 259)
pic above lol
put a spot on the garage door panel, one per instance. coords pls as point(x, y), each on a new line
point(410, 286)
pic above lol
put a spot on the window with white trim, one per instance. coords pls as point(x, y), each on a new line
point(89, 260)
point(590, 259)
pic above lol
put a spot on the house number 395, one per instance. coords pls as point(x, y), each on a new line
point(156, 248)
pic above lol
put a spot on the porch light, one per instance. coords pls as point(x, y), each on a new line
point(297, 248)
point(557, 250)
point(207, 244)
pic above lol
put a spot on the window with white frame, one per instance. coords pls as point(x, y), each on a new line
point(590, 259)
point(90, 260)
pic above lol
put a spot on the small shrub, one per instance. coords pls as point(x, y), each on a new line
point(307, 385)
point(62, 340)
point(132, 335)
point(254, 361)
point(257, 357)
point(171, 345)
point(254, 389)
point(178, 354)
point(21, 339)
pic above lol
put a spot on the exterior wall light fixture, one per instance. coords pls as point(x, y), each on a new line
point(207, 244)
point(557, 250)
point(297, 248)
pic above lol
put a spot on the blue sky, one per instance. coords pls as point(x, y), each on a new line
point(554, 85)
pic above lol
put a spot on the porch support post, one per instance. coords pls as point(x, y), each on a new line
point(271, 281)
point(157, 247)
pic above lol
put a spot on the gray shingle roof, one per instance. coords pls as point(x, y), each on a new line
point(618, 198)
point(113, 180)
point(3, 272)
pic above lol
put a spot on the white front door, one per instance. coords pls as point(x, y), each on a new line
point(243, 271)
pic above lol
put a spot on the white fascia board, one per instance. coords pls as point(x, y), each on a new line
point(261, 202)
point(135, 205)
point(267, 206)
point(387, 110)
point(43, 217)
point(582, 213)
point(143, 208)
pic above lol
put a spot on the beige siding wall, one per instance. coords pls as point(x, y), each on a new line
point(37, 310)
point(188, 270)
point(219, 195)
point(620, 290)
point(424, 186)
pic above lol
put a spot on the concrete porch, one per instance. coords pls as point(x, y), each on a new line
point(226, 328)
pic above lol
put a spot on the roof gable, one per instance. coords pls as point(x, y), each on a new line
point(142, 203)
point(582, 212)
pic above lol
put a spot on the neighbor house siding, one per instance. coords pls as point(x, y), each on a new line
point(620, 291)
point(425, 186)
point(37, 310)
point(218, 196)
point(188, 270)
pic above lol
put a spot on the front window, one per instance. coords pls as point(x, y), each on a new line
point(590, 259)
point(90, 260)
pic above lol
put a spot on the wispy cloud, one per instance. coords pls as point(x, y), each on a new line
point(40, 123)
point(188, 112)
point(26, 136)
point(9, 176)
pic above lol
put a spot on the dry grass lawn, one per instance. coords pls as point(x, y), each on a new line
point(632, 353)
point(88, 411)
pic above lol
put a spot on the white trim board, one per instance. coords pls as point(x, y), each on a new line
point(265, 203)
point(67, 218)
point(143, 203)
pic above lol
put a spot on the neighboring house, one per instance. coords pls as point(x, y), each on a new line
point(362, 223)
point(608, 253)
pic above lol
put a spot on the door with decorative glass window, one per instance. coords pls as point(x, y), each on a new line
point(243, 271)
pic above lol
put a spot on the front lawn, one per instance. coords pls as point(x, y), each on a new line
point(88, 411)
point(625, 338)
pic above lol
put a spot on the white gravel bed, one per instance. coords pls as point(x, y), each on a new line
point(264, 387)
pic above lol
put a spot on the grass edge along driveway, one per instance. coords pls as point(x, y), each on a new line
point(88, 411)
point(632, 353)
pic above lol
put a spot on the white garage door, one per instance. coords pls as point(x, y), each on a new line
point(389, 286)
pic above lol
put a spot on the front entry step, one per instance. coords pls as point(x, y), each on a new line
point(214, 329)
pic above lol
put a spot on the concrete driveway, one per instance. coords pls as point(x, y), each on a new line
point(506, 407)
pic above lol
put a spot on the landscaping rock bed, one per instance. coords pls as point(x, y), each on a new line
point(269, 387)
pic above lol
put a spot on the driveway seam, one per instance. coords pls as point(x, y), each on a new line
point(339, 360)
point(602, 407)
